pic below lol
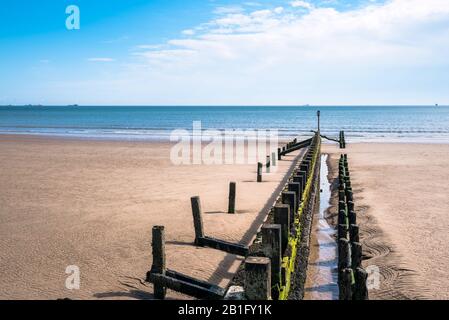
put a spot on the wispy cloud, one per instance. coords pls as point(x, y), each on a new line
point(188, 32)
point(301, 4)
point(149, 46)
point(100, 59)
point(228, 9)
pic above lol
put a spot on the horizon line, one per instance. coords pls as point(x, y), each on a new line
point(224, 105)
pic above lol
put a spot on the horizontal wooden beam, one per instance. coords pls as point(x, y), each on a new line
point(228, 247)
point(187, 285)
point(297, 146)
point(200, 283)
point(325, 137)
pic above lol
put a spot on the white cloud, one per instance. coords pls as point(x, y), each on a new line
point(100, 59)
point(278, 10)
point(228, 10)
point(150, 46)
point(301, 4)
point(188, 32)
point(395, 52)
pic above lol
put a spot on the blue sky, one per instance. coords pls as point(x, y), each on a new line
point(204, 52)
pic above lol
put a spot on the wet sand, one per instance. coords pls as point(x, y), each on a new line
point(401, 193)
point(93, 203)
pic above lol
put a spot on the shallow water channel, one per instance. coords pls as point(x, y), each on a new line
point(322, 275)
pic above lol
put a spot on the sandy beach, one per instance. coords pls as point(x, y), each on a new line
point(401, 193)
point(93, 203)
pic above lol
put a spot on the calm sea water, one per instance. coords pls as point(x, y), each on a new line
point(408, 124)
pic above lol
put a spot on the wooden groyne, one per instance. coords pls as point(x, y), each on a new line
point(341, 139)
point(270, 270)
point(351, 275)
point(285, 234)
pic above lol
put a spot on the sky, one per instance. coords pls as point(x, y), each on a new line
point(212, 52)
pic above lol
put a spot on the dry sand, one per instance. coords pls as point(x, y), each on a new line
point(401, 193)
point(93, 203)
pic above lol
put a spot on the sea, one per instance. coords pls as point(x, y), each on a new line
point(420, 124)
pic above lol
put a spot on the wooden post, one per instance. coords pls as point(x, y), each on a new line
point(360, 290)
point(274, 159)
point(304, 168)
point(303, 174)
point(341, 195)
point(343, 138)
point(271, 241)
point(341, 206)
point(343, 254)
point(268, 164)
point(279, 154)
point(296, 188)
point(342, 217)
point(350, 203)
point(341, 183)
point(356, 255)
point(342, 231)
point(257, 283)
point(339, 140)
point(259, 172)
point(282, 216)
point(231, 204)
point(354, 233)
point(302, 171)
point(158, 266)
point(308, 162)
point(345, 284)
point(289, 197)
point(352, 216)
point(348, 185)
point(299, 180)
point(197, 218)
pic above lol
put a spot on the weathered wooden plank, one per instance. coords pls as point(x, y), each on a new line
point(229, 247)
point(186, 287)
